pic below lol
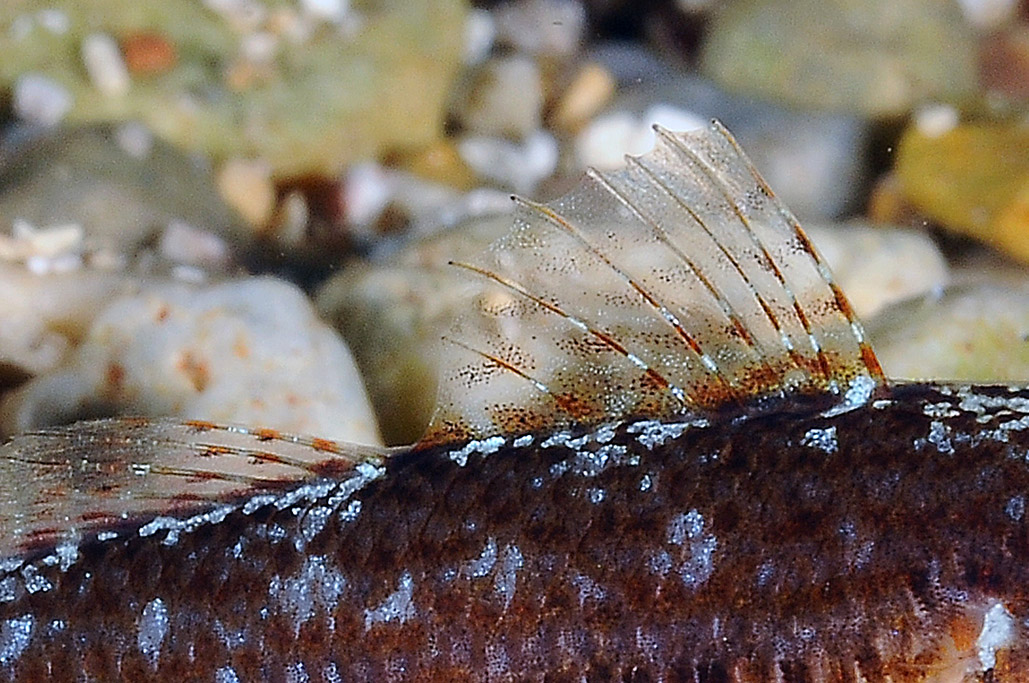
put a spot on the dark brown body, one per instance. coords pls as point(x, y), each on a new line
point(791, 546)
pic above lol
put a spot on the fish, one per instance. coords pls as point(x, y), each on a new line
point(663, 450)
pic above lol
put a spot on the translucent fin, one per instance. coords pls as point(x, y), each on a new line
point(678, 284)
point(62, 484)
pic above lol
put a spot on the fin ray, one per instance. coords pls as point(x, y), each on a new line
point(64, 483)
point(690, 286)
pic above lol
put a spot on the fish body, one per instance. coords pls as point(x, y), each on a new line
point(663, 451)
point(886, 542)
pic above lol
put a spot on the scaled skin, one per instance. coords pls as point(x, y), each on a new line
point(869, 545)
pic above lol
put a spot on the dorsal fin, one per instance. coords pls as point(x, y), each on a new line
point(63, 484)
point(679, 284)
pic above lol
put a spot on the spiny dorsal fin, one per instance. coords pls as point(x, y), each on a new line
point(678, 284)
point(63, 484)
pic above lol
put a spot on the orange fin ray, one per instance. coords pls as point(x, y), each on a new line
point(678, 284)
point(62, 484)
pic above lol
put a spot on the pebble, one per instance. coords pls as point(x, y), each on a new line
point(183, 244)
point(815, 161)
point(552, 28)
point(504, 98)
point(246, 184)
point(972, 334)
point(480, 32)
point(518, 166)
point(987, 15)
point(605, 141)
point(148, 53)
point(44, 316)
point(41, 100)
point(875, 58)
point(311, 86)
point(121, 186)
point(972, 179)
point(104, 64)
point(590, 89)
point(327, 10)
point(440, 162)
point(393, 314)
point(248, 352)
point(878, 266)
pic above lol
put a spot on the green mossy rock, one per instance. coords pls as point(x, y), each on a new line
point(320, 102)
point(871, 57)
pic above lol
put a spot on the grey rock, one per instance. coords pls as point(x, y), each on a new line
point(503, 97)
point(123, 191)
point(542, 27)
point(814, 161)
point(869, 57)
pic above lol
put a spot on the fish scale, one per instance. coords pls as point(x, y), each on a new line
point(730, 551)
point(663, 451)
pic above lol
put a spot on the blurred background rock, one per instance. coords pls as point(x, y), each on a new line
point(192, 153)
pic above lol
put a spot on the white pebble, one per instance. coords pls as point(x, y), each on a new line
point(104, 64)
point(479, 33)
point(542, 27)
point(988, 14)
point(54, 20)
point(134, 139)
point(936, 120)
point(326, 10)
point(41, 100)
point(519, 166)
point(367, 190)
point(605, 141)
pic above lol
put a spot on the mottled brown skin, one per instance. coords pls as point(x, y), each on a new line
point(874, 557)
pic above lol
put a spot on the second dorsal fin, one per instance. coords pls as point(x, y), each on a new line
point(679, 284)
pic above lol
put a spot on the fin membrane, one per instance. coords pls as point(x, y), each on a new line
point(63, 484)
point(677, 285)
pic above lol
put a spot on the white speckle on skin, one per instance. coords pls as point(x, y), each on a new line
point(858, 394)
point(939, 436)
point(483, 564)
point(175, 526)
point(687, 530)
point(398, 606)
point(34, 582)
point(297, 673)
point(7, 589)
point(1015, 508)
point(317, 587)
point(311, 525)
point(523, 441)
point(588, 589)
point(597, 496)
point(483, 447)
point(15, 635)
point(940, 411)
point(106, 536)
point(226, 674)
point(506, 578)
point(998, 632)
point(653, 433)
point(330, 674)
point(152, 629)
point(821, 439)
point(645, 483)
point(351, 511)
